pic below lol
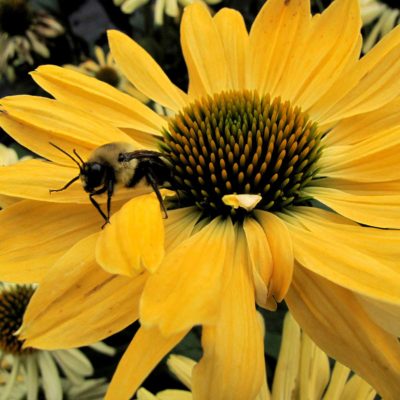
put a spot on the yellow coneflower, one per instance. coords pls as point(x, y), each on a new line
point(379, 18)
point(284, 154)
point(23, 33)
point(169, 7)
point(106, 70)
point(37, 368)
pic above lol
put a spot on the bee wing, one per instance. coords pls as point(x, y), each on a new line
point(137, 154)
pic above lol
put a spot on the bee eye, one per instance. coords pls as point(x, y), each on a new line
point(96, 168)
point(94, 175)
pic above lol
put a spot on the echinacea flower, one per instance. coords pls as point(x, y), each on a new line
point(105, 69)
point(24, 32)
point(380, 20)
point(169, 7)
point(34, 368)
point(284, 154)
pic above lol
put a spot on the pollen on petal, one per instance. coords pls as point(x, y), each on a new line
point(246, 201)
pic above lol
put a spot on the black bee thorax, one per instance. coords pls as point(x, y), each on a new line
point(151, 170)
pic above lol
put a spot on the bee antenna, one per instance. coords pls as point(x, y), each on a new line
point(69, 155)
point(79, 157)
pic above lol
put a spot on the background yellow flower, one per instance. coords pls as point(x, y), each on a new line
point(106, 70)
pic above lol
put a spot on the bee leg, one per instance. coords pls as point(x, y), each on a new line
point(154, 185)
point(110, 191)
point(97, 205)
point(65, 186)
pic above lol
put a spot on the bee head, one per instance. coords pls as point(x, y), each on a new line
point(92, 175)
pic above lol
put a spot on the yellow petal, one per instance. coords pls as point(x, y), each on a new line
point(36, 121)
point(360, 127)
point(332, 46)
point(179, 225)
point(32, 179)
point(78, 303)
point(276, 37)
point(8, 155)
point(146, 350)
point(334, 255)
point(203, 51)
point(370, 85)
point(182, 368)
point(144, 139)
point(386, 315)
point(379, 243)
point(186, 288)
point(171, 394)
point(364, 188)
point(264, 393)
point(358, 389)
point(99, 53)
point(98, 98)
point(280, 243)
point(260, 258)
point(314, 370)
point(235, 42)
point(339, 377)
point(88, 66)
point(375, 159)
point(36, 234)
point(168, 394)
point(334, 319)
point(375, 210)
point(7, 201)
point(144, 394)
point(143, 72)
point(287, 368)
point(134, 239)
point(224, 372)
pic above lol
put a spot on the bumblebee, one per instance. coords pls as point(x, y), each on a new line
point(118, 164)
